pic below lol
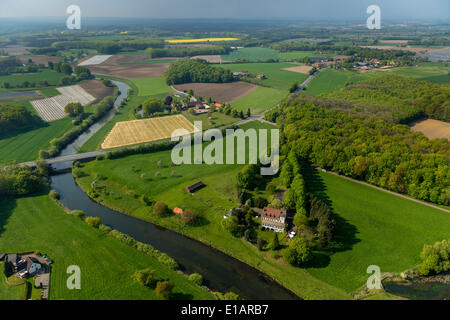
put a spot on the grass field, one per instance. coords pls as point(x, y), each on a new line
point(431, 71)
point(251, 54)
point(146, 130)
point(276, 77)
point(295, 55)
point(52, 78)
point(375, 227)
point(332, 80)
point(260, 99)
point(155, 86)
point(107, 265)
point(217, 119)
point(25, 145)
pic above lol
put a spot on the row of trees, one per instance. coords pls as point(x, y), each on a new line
point(189, 70)
point(186, 51)
point(374, 150)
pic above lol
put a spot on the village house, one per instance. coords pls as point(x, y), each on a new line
point(29, 266)
point(273, 219)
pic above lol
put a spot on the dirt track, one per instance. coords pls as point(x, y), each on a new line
point(220, 92)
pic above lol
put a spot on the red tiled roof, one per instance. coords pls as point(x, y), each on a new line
point(273, 213)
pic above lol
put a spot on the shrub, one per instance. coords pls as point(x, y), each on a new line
point(93, 221)
point(261, 202)
point(104, 228)
point(435, 258)
point(164, 289)
point(144, 277)
point(78, 213)
point(227, 296)
point(188, 216)
point(53, 195)
point(160, 208)
point(196, 278)
point(298, 252)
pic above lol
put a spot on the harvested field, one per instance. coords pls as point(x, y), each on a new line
point(211, 58)
point(299, 69)
point(433, 129)
point(147, 130)
point(131, 71)
point(416, 50)
point(16, 50)
point(52, 109)
point(220, 92)
point(95, 60)
point(97, 89)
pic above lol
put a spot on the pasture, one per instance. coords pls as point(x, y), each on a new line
point(430, 71)
point(251, 54)
point(52, 109)
point(146, 130)
point(99, 59)
point(155, 86)
point(220, 92)
point(260, 99)
point(37, 223)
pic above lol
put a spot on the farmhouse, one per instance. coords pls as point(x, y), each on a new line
point(195, 187)
point(13, 259)
point(273, 219)
point(29, 266)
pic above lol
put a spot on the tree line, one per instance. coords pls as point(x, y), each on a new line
point(15, 117)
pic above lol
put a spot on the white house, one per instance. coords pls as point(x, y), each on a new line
point(273, 219)
point(31, 267)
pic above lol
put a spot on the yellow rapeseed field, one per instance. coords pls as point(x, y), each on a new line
point(140, 131)
point(201, 40)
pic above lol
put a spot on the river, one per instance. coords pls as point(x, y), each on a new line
point(220, 271)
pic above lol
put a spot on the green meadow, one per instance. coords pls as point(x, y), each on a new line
point(107, 265)
point(251, 54)
point(51, 76)
point(431, 71)
point(276, 77)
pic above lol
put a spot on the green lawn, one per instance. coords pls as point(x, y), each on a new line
point(217, 119)
point(260, 99)
point(52, 78)
point(107, 265)
point(375, 227)
point(155, 86)
point(25, 145)
point(276, 77)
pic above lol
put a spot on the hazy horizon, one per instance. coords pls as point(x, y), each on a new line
point(308, 10)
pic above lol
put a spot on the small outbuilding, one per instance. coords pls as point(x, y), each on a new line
point(195, 187)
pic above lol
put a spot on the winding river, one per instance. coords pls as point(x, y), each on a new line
point(220, 271)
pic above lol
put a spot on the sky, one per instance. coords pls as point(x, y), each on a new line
point(331, 10)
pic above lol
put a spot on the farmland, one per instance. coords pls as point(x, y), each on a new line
point(37, 223)
point(94, 60)
point(276, 76)
point(147, 130)
point(200, 40)
point(52, 78)
point(52, 109)
point(372, 221)
point(251, 54)
point(220, 92)
point(260, 99)
point(433, 129)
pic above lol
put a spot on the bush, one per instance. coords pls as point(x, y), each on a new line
point(78, 213)
point(160, 208)
point(196, 278)
point(93, 221)
point(144, 277)
point(164, 289)
point(53, 195)
point(298, 252)
point(188, 216)
point(227, 296)
point(435, 258)
point(104, 228)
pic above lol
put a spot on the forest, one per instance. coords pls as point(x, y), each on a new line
point(377, 151)
point(409, 99)
point(187, 71)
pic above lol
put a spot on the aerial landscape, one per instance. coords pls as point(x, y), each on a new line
point(267, 154)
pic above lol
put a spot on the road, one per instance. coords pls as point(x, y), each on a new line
point(309, 79)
